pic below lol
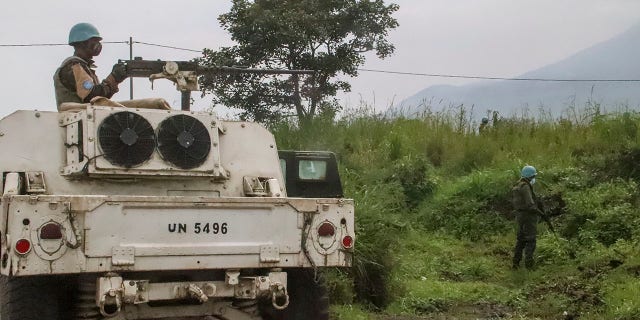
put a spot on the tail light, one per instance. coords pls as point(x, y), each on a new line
point(347, 242)
point(326, 229)
point(23, 246)
point(51, 230)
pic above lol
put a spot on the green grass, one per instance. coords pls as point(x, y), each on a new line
point(350, 311)
point(434, 223)
point(622, 297)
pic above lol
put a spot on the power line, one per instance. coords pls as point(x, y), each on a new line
point(497, 78)
point(103, 42)
point(165, 46)
point(107, 42)
point(52, 44)
point(365, 70)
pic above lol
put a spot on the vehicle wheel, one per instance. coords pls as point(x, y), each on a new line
point(28, 298)
point(308, 298)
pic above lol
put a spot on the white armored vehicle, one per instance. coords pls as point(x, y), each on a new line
point(136, 213)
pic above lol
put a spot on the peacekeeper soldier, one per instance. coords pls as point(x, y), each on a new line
point(75, 80)
point(483, 125)
point(527, 215)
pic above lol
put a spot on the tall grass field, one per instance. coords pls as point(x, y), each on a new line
point(435, 228)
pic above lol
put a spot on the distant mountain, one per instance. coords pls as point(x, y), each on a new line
point(617, 58)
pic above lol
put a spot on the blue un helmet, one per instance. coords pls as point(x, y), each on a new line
point(83, 32)
point(528, 172)
point(485, 120)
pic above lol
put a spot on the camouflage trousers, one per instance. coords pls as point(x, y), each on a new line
point(526, 238)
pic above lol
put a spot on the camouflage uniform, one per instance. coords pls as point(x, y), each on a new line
point(76, 81)
point(482, 128)
point(527, 215)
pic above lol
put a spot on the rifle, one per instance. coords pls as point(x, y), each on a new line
point(545, 215)
point(185, 73)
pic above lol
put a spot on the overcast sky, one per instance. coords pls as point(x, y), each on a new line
point(502, 38)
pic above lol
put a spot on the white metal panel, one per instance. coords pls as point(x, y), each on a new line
point(37, 140)
point(248, 149)
point(169, 254)
point(190, 231)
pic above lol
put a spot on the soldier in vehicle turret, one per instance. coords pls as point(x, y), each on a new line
point(75, 80)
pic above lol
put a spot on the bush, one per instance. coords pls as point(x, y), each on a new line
point(472, 208)
point(381, 202)
point(552, 250)
point(340, 286)
point(603, 213)
point(417, 179)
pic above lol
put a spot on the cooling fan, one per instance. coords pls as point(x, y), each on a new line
point(126, 138)
point(183, 141)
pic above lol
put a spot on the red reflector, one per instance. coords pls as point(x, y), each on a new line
point(347, 242)
point(51, 231)
point(23, 246)
point(326, 229)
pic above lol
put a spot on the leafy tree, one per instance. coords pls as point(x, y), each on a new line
point(329, 36)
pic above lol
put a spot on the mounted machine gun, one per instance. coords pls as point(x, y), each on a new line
point(185, 73)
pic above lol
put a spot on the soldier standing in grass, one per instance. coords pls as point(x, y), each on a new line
point(527, 215)
point(483, 125)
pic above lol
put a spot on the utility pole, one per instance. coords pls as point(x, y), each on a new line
point(130, 58)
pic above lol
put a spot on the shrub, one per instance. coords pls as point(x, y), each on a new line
point(603, 213)
point(552, 249)
point(468, 208)
point(416, 177)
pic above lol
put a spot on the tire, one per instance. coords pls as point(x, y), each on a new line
point(28, 298)
point(308, 298)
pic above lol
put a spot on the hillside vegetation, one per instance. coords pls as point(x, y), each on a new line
point(434, 224)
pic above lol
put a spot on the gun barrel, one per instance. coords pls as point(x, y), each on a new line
point(145, 68)
point(230, 70)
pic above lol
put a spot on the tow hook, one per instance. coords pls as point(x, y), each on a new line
point(109, 298)
point(110, 303)
point(279, 293)
point(197, 293)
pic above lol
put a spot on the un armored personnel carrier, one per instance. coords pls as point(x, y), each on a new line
point(136, 213)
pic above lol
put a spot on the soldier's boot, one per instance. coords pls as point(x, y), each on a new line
point(516, 264)
point(529, 249)
point(517, 253)
point(530, 264)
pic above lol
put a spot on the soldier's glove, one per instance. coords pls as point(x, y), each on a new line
point(119, 72)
